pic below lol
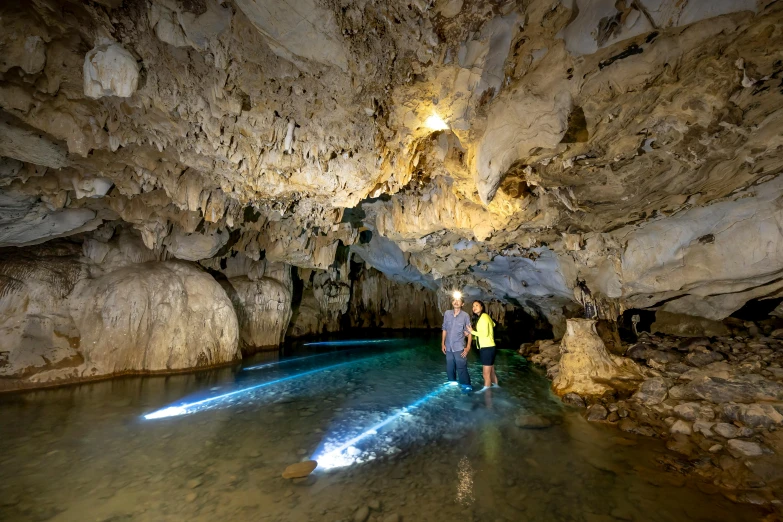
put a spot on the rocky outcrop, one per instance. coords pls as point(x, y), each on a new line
point(718, 404)
point(586, 368)
point(263, 309)
point(65, 318)
point(379, 302)
point(512, 150)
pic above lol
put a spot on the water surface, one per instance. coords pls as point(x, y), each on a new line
point(87, 453)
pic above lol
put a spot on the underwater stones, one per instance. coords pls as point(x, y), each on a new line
point(586, 368)
point(110, 70)
point(300, 469)
point(532, 421)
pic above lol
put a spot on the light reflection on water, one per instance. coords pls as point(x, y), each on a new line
point(81, 452)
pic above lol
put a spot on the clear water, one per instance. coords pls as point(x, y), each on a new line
point(87, 453)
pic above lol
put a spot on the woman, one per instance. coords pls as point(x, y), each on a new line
point(485, 337)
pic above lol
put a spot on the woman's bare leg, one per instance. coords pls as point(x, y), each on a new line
point(493, 375)
point(487, 370)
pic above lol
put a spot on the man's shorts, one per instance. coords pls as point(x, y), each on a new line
point(487, 356)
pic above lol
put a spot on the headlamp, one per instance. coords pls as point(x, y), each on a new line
point(456, 295)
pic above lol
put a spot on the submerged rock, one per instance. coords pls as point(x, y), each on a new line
point(532, 421)
point(300, 469)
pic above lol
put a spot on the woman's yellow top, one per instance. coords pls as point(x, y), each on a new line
point(484, 332)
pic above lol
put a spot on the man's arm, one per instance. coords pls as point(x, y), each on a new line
point(470, 340)
point(443, 342)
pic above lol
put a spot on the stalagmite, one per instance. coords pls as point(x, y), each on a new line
point(586, 368)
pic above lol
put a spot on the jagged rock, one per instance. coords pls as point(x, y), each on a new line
point(687, 325)
point(753, 415)
point(156, 316)
point(110, 70)
point(681, 427)
point(728, 431)
point(718, 390)
point(64, 319)
point(703, 357)
point(688, 411)
point(703, 427)
point(573, 399)
point(585, 365)
point(652, 391)
point(597, 412)
point(642, 352)
point(744, 448)
point(263, 309)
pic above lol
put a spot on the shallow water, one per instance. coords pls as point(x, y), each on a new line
point(87, 452)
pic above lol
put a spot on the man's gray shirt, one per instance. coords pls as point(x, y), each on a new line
point(455, 330)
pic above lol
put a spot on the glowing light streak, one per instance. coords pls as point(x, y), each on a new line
point(286, 361)
point(335, 458)
point(192, 407)
point(353, 342)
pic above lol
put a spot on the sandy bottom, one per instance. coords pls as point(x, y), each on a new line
point(388, 435)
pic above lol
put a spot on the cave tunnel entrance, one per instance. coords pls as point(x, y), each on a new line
point(758, 310)
point(522, 327)
point(625, 323)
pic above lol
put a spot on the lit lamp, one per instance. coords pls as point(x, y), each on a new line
point(435, 123)
point(456, 295)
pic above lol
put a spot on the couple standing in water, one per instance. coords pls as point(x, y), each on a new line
point(456, 331)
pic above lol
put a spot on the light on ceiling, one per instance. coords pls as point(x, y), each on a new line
point(436, 123)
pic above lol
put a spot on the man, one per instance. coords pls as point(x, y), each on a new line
point(455, 322)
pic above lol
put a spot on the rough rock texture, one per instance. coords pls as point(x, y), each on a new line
point(721, 420)
point(511, 149)
point(377, 301)
point(586, 368)
point(263, 309)
point(65, 317)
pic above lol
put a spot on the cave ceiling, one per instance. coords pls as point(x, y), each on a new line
point(507, 147)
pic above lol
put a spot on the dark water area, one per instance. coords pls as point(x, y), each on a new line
point(386, 430)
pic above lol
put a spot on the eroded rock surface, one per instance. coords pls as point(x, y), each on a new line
point(67, 318)
point(512, 149)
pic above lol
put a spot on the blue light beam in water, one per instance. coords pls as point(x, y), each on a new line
point(352, 342)
point(286, 361)
point(336, 457)
point(193, 407)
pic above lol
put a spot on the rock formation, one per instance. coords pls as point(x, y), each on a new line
point(586, 368)
point(514, 150)
point(66, 317)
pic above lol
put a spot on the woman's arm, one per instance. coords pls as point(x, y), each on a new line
point(482, 326)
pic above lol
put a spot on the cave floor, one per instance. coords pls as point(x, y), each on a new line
point(87, 453)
